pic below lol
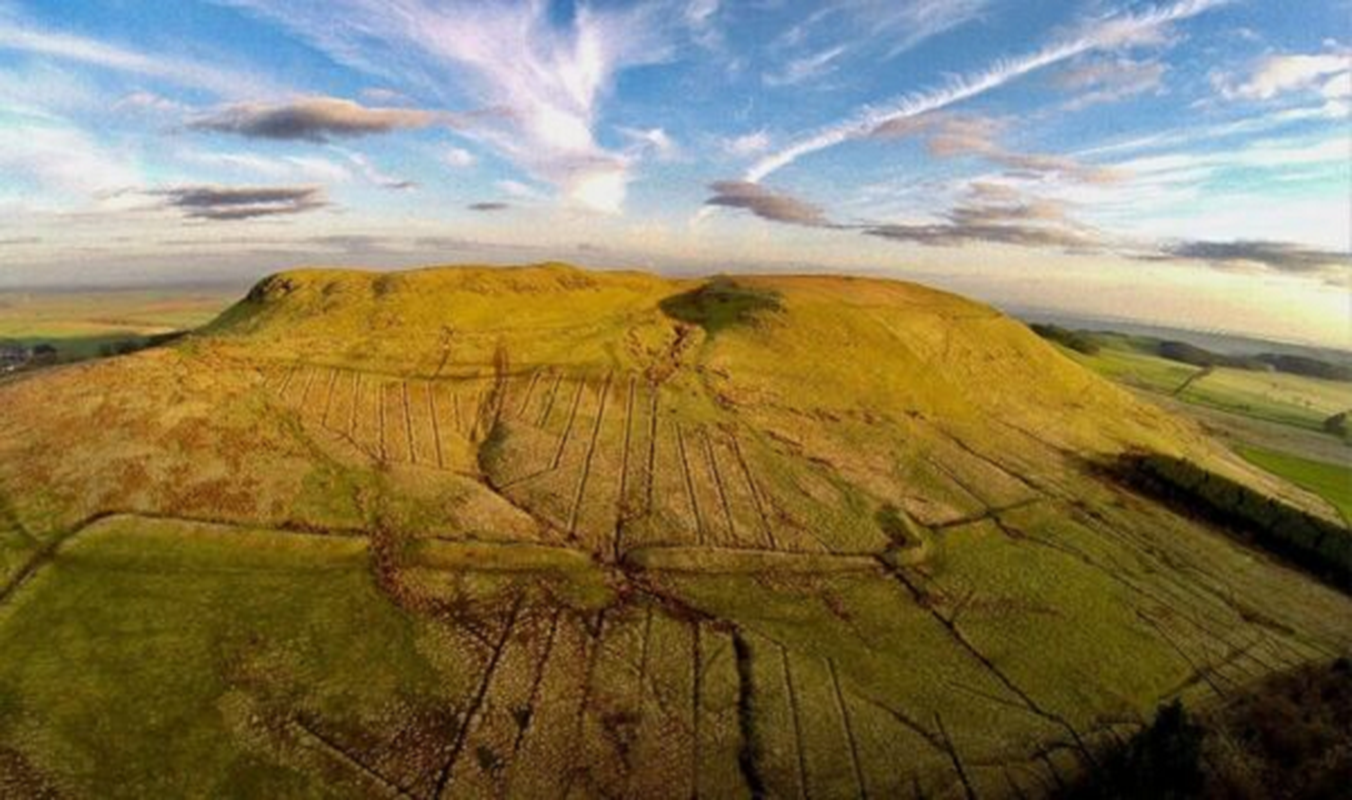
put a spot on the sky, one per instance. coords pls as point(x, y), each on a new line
point(1185, 163)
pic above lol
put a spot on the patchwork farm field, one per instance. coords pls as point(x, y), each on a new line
point(78, 324)
point(1283, 398)
point(542, 532)
point(1291, 399)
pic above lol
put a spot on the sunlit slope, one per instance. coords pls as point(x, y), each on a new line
point(548, 532)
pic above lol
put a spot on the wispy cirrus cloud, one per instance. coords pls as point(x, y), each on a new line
point(746, 144)
point(55, 161)
point(312, 119)
point(232, 203)
point(1106, 34)
point(953, 135)
point(880, 29)
point(19, 34)
point(805, 68)
point(1109, 80)
point(545, 77)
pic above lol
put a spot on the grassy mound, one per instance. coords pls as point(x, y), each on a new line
point(548, 532)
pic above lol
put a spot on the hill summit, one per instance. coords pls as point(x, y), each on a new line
point(546, 531)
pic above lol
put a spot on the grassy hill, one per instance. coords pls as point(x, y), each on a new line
point(547, 532)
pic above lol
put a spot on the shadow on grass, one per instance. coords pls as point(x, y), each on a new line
point(720, 304)
point(68, 349)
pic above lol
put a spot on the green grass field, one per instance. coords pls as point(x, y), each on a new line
point(148, 645)
point(1273, 396)
point(1333, 482)
point(1290, 399)
point(78, 324)
point(1136, 369)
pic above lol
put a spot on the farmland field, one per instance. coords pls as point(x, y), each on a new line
point(1333, 482)
point(1272, 396)
point(1290, 399)
point(1137, 369)
point(79, 323)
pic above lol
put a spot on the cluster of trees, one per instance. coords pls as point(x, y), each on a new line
point(1090, 342)
point(17, 356)
point(1316, 544)
point(1079, 341)
point(1309, 367)
point(1288, 736)
point(1339, 424)
point(1280, 362)
point(129, 346)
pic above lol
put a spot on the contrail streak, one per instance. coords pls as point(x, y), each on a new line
point(1110, 33)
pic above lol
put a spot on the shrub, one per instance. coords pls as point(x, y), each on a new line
point(1162, 761)
point(1076, 340)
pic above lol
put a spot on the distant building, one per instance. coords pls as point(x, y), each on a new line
point(12, 356)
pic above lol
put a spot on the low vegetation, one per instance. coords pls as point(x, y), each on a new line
point(1079, 341)
point(1288, 736)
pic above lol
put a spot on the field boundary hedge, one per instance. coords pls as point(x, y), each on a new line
point(1316, 545)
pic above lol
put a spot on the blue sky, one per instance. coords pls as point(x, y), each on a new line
point(1182, 162)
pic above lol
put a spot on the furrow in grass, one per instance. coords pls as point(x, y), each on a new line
point(549, 402)
point(689, 484)
point(792, 696)
point(624, 470)
point(408, 423)
point(530, 390)
point(476, 702)
point(347, 759)
point(568, 428)
point(751, 486)
point(587, 458)
point(861, 787)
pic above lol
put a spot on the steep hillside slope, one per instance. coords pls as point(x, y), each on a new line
point(543, 531)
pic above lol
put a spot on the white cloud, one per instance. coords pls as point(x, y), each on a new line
point(457, 158)
point(1112, 33)
point(1281, 74)
point(36, 89)
point(1108, 80)
point(519, 190)
point(805, 68)
point(748, 144)
point(911, 23)
point(541, 82)
point(882, 29)
point(373, 174)
point(308, 169)
point(143, 102)
point(699, 17)
point(652, 141)
point(61, 164)
point(1183, 137)
point(699, 13)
